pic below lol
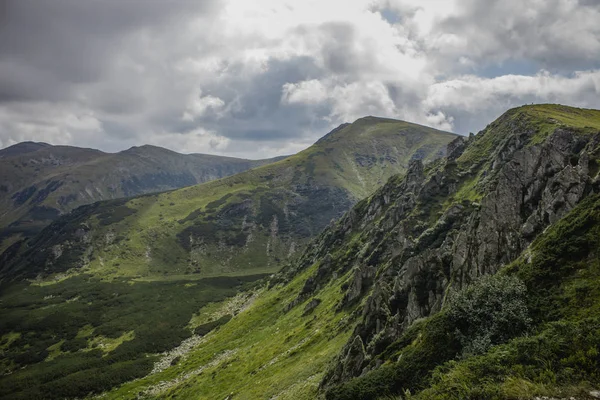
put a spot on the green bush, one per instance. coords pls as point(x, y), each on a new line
point(489, 312)
point(562, 354)
point(74, 345)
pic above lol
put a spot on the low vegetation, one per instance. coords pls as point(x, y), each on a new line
point(82, 335)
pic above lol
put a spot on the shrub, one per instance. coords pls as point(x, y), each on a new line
point(74, 345)
point(489, 312)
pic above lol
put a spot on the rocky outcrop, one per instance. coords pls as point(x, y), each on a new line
point(445, 224)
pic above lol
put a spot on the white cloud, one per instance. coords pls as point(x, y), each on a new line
point(47, 122)
point(255, 78)
point(305, 92)
point(473, 94)
point(197, 141)
point(199, 105)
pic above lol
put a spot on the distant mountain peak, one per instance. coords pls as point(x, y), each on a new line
point(374, 119)
point(23, 148)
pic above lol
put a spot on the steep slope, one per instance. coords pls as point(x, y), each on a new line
point(387, 298)
point(40, 182)
point(92, 300)
point(248, 223)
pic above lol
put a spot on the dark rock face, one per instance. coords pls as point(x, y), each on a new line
point(419, 248)
point(150, 182)
point(21, 197)
point(455, 148)
point(43, 193)
point(351, 364)
point(310, 306)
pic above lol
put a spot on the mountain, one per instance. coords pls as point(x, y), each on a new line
point(40, 181)
point(22, 148)
point(473, 276)
point(248, 223)
point(90, 302)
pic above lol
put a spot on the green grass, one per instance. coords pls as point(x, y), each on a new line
point(550, 116)
point(85, 335)
point(261, 352)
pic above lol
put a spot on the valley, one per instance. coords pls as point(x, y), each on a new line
point(474, 275)
point(91, 300)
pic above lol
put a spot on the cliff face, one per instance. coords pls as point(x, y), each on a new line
point(444, 225)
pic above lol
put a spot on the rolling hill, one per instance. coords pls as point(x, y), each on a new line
point(41, 182)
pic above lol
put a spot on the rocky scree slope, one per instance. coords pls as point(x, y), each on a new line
point(41, 182)
point(248, 223)
point(473, 276)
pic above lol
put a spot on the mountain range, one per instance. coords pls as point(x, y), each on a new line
point(469, 269)
point(249, 223)
point(40, 182)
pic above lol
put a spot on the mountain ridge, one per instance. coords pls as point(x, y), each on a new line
point(474, 275)
point(82, 300)
point(363, 314)
point(41, 181)
point(262, 216)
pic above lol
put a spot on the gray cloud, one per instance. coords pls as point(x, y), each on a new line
point(267, 78)
point(555, 35)
point(74, 41)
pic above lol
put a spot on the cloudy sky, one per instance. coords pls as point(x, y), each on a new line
point(268, 77)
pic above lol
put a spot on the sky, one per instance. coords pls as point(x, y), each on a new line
point(261, 78)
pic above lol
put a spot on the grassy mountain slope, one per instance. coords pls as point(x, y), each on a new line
point(40, 182)
point(249, 223)
point(115, 283)
point(391, 300)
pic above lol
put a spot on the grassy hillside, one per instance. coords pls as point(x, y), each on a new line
point(249, 223)
point(388, 302)
point(268, 351)
point(40, 182)
point(104, 293)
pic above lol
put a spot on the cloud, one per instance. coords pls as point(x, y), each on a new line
point(199, 106)
point(476, 100)
point(268, 77)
